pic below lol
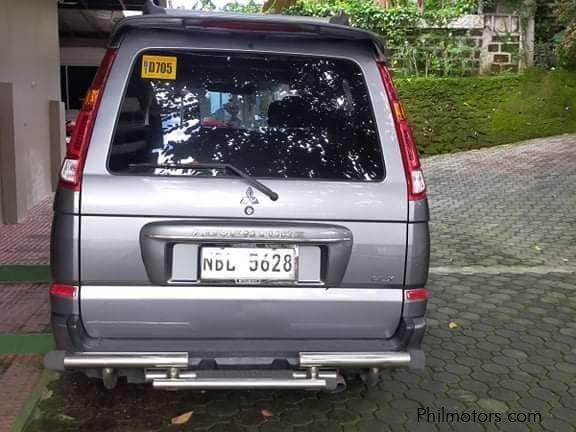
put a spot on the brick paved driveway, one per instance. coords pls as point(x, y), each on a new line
point(28, 242)
point(504, 272)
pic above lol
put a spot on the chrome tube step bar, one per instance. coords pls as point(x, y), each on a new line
point(312, 379)
point(171, 370)
point(241, 383)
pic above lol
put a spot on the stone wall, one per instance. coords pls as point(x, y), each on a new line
point(498, 43)
point(502, 48)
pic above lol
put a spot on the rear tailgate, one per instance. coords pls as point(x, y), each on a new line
point(142, 235)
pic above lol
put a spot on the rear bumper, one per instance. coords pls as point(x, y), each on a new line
point(312, 364)
point(71, 337)
point(172, 370)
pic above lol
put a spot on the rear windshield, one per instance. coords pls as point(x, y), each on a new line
point(272, 116)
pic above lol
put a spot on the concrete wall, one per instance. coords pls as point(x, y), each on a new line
point(30, 62)
point(81, 55)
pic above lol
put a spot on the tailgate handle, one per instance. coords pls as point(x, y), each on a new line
point(157, 239)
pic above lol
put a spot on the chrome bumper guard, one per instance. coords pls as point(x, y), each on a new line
point(125, 360)
point(354, 359)
point(170, 370)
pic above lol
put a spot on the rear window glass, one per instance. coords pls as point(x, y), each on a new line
point(272, 116)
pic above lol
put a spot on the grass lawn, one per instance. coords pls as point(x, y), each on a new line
point(456, 114)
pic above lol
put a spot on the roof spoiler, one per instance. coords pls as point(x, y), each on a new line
point(151, 8)
point(157, 17)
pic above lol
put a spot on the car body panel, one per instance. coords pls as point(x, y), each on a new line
point(242, 312)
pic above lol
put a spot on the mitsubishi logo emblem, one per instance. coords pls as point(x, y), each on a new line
point(249, 198)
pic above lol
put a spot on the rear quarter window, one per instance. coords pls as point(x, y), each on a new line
point(273, 116)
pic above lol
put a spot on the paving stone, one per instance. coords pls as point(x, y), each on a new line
point(448, 404)
point(391, 416)
point(566, 414)
point(495, 368)
point(543, 394)
point(363, 405)
point(493, 405)
point(276, 426)
point(28, 242)
point(344, 416)
point(463, 395)
point(504, 394)
point(298, 416)
point(249, 417)
point(18, 376)
point(553, 385)
point(465, 427)
point(530, 403)
point(372, 425)
point(515, 385)
point(516, 354)
point(324, 425)
point(556, 425)
point(24, 308)
point(474, 386)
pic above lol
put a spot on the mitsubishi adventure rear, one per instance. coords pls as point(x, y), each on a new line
point(241, 206)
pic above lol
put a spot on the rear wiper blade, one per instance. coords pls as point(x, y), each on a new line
point(248, 179)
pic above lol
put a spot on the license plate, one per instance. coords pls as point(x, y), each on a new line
point(248, 263)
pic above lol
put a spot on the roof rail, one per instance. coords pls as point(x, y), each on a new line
point(151, 8)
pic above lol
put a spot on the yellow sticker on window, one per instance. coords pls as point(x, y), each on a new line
point(158, 67)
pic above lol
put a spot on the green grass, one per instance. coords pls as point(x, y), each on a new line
point(26, 343)
point(38, 392)
point(25, 273)
point(456, 114)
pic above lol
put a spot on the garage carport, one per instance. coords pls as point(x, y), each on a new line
point(48, 53)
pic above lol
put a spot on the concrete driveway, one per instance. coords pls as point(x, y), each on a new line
point(501, 343)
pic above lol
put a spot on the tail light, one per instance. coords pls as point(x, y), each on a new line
point(71, 171)
point(251, 26)
point(418, 294)
point(66, 291)
point(410, 157)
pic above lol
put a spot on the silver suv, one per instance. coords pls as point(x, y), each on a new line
point(241, 206)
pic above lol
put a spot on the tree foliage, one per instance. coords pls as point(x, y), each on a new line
point(566, 50)
point(277, 6)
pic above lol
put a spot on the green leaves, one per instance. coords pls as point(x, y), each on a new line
point(277, 6)
point(566, 50)
point(411, 51)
